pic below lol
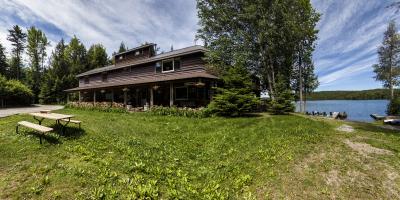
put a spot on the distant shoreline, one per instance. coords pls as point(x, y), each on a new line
point(374, 94)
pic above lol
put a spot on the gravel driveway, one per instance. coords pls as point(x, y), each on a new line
point(4, 112)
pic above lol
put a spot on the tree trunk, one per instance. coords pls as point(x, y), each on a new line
point(305, 100)
point(300, 83)
point(391, 81)
point(271, 90)
point(300, 87)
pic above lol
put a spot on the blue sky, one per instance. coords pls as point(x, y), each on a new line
point(350, 30)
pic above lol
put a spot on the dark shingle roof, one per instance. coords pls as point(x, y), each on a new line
point(133, 80)
point(178, 52)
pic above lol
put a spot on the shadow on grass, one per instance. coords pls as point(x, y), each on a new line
point(73, 132)
point(375, 128)
point(53, 137)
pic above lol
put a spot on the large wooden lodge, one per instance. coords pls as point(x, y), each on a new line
point(140, 77)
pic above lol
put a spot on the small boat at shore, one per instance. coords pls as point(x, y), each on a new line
point(377, 117)
point(334, 115)
point(392, 121)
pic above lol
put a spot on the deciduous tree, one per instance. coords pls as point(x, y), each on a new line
point(266, 35)
point(388, 69)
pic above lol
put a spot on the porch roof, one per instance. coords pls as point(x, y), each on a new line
point(147, 79)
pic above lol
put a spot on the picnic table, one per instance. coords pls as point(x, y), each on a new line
point(59, 118)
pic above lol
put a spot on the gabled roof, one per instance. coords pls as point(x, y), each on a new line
point(166, 55)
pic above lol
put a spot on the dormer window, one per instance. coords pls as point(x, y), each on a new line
point(171, 65)
point(168, 65)
point(137, 53)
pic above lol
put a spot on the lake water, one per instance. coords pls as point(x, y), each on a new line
point(357, 110)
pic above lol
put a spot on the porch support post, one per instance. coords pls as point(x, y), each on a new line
point(125, 98)
point(171, 94)
point(94, 97)
point(79, 96)
point(67, 97)
point(112, 97)
point(151, 96)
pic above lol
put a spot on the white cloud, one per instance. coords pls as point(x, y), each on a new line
point(110, 22)
point(347, 72)
point(350, 33)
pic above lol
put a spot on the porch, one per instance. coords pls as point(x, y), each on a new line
point(181, 93)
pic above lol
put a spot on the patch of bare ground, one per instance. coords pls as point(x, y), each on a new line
point(332, 178)
point(390, 183)
point(366, 149)
point(334, 171)
point(345, 128)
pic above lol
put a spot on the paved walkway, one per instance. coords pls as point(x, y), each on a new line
point(4, 112)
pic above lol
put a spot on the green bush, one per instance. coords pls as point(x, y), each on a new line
point(393, 108)
point(236, 97)
point(283, 103)
point(13, 92)
point(181, 112)
point(232, 103)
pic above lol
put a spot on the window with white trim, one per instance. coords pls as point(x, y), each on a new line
point(168, 65)
point(171, 65)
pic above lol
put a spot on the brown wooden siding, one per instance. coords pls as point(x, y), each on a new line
point(189, 62)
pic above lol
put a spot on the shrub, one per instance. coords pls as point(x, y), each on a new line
point(232, 103)
point(175, 111)
point(98, 106)
point(393, 108)
point(283, 103)
point(236, 97)
point(13, 92)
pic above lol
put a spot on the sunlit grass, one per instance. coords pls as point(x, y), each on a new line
point(138, 155)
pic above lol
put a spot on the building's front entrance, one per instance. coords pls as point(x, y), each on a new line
point(162, 95)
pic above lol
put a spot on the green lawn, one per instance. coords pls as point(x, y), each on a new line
point(138, 155)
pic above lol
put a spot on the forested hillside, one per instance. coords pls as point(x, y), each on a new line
point(352, 95)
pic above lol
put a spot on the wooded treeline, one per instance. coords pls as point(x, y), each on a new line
point(47, 76)
point(352, 95)
point(272, 40)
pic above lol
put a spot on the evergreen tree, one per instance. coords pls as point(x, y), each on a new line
point(236, 97)
point(76, 55)
point(43, 44)
point(36, 48)
point(17, 38)
point(97, 56)
point(122, 48)
point(58, 77)
point(4, 68)
point(388, 69)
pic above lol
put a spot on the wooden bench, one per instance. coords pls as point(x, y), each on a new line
point(39, 128)
point(73, 121)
